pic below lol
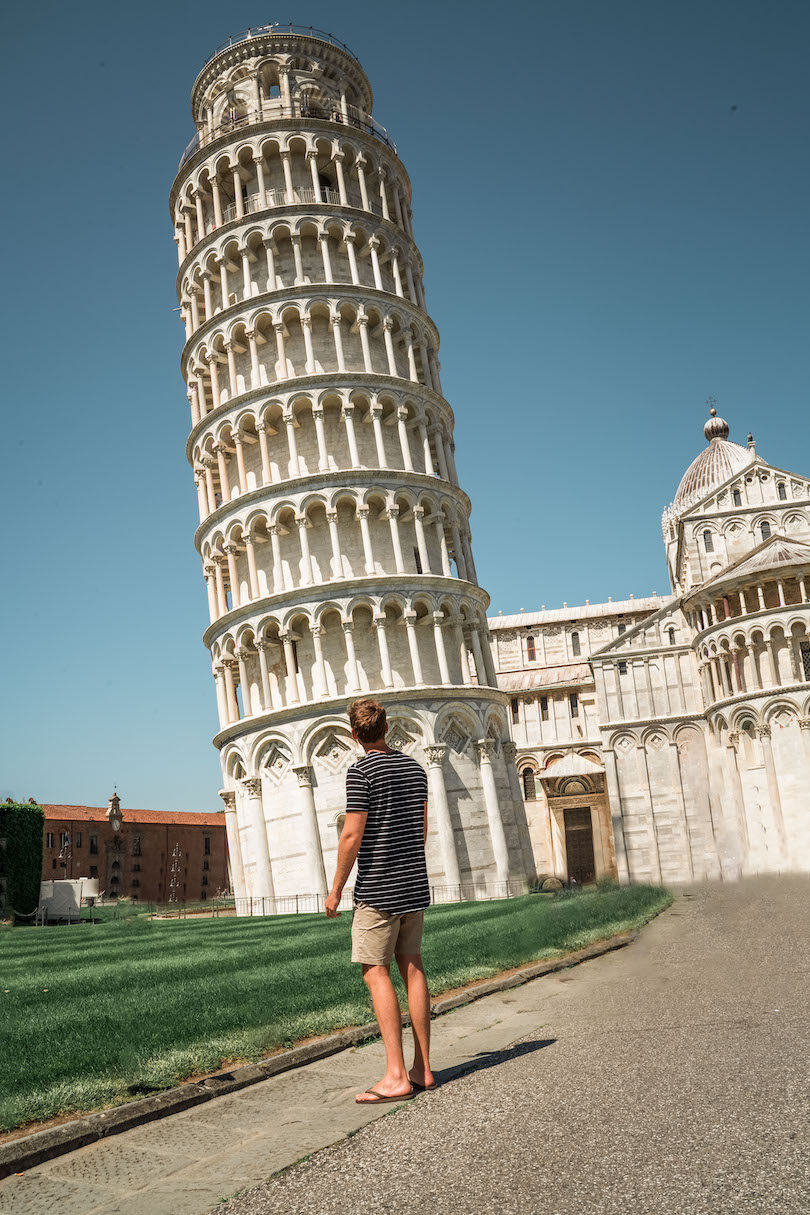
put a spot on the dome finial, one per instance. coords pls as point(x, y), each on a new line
point(715, 428)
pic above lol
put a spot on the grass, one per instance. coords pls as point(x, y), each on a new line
point(91, 1016)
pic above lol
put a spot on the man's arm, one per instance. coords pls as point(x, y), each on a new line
point(351, 838)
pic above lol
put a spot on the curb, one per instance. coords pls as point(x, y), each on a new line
point(23, 1154)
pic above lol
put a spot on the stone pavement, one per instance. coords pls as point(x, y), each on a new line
point(667, 1077)
point(670, 1078)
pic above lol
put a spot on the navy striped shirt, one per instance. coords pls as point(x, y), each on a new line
point(391, 872)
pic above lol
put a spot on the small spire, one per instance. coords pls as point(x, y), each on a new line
point(715, 428)
point(751, 443)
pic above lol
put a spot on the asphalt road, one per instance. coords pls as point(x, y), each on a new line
point(671, 1077)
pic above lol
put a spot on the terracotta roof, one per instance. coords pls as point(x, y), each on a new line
point(619, 607)
point(98, 814)
point(545, 677)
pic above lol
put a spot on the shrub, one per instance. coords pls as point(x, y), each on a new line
point(21, 828)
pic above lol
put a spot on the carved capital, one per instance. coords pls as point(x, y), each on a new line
point(435, 754)
point(229, 798)
point(763, 731)
point(486, 748)
point(804, 723)
point(510, 751)
point(252, 786)
point(243, 654)
point(304, 775)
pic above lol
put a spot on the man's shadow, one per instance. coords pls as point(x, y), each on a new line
point(491, 1058)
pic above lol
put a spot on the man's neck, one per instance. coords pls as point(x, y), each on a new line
point(380, 745)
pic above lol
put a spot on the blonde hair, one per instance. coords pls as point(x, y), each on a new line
point(367, 719)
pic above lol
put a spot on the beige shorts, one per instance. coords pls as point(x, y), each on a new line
point(378, 935)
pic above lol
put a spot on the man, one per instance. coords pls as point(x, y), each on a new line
point(385, 830)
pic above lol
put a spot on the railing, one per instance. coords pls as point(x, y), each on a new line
point(273, 108)
point(258, 31)
point(312, 904)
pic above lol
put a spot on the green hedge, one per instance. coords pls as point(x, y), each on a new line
point(21, 841)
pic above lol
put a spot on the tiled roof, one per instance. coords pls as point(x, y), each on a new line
point(98, 814)
point(619, 607)
point(774, 553)
point(545, 677)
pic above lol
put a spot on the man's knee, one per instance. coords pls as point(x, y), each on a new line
point(374, 974)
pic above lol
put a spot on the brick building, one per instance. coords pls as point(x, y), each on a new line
point(145, 855)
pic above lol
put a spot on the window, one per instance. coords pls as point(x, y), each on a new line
point(136, 845)
point(622, 628)
point(274, 90)
point(136, 881)
point(573, 701)
point(529, 786)
point(804, 649)
point(203, 895)
point(53, 863)
point(671, 636)
point(205, 865)
point(544, 708)
point(116, 864)
point(49, 839)
point(531, 650)
point(417, 560)
point(622, 668)
point(765, 530)
point(94, 845)
point(575, 646)
point(64, 839)
point(206, 845)
point(781, 490)
point(708, 543)
point(515, 706)
point(736, 497)
point(77, 840)
point(136, 868)
point(205, 879)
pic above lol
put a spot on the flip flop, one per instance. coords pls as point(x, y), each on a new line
point(424, 1088)
point(381, 1099)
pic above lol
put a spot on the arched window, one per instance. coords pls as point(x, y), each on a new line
point(529, 786)
point(708, 542)
point(575, 646)
point(531, 650)
point(765, 530)
point(515, 706)
point(781, 490)
point(736, 497)
point(671, 636)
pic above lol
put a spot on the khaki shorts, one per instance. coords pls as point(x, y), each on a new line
point(378, 935)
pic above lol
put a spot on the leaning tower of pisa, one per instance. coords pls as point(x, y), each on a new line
point(333, 534)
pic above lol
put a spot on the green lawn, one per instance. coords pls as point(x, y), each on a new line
point(94, 1015)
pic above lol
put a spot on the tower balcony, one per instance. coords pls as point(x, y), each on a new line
point(334, 112)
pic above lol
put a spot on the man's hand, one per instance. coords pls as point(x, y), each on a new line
point(331, 905)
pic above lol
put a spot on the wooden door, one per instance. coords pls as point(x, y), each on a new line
point(579, 844)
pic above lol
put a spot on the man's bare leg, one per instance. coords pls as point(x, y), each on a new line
point(413, 976)
point(395, 1082)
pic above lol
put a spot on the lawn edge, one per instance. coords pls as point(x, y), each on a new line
point(22, 1154)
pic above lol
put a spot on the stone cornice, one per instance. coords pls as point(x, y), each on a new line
point(732, 702)
point(313, 385)
point(348, 588)
point(399, 697)
point(743, 622)
point(340, 478)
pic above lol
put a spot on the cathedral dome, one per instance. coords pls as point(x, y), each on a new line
point(715, 464)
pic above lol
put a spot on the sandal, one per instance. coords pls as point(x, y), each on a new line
point(381, 1098)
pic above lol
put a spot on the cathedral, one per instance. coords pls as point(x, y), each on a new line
point(668, 739)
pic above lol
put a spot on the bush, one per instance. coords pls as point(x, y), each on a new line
point(21, 828)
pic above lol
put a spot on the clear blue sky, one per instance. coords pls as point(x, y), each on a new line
point(607, 241)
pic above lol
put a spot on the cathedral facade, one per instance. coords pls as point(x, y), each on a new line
point(668, 739)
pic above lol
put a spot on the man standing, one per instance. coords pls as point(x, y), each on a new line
point(385, 830)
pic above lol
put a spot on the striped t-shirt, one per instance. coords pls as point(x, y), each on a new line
point(391, 871)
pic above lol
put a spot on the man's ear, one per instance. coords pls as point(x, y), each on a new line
point(354, 736)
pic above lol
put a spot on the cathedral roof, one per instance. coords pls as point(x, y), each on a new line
point(774, 553)
point(715, 464)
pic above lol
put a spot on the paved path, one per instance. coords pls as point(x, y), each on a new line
point(668, 1077)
